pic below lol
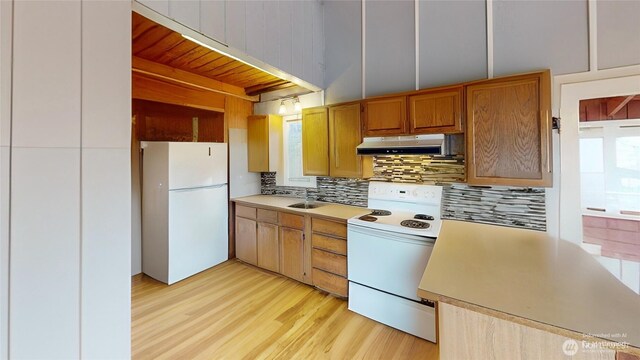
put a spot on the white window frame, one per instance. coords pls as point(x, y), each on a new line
point(285, 179)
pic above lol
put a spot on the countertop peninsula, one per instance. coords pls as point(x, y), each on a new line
point(530, 275)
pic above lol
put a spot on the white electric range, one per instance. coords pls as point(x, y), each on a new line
point(388, 251)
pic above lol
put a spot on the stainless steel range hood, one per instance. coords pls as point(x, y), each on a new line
point(403, 145)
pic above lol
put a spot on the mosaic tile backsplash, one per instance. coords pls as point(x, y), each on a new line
point(336, 190)
point(418, 168)
point(517, 207)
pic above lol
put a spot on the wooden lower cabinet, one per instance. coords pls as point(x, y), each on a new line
point(268, 247)
point(292, 253)
point(329, 256)
point(330, 282)
point(246, 235)
point(273, 240)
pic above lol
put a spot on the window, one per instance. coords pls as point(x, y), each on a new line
point(292, 154)
point(610, 166)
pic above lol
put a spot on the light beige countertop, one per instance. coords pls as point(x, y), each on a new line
point(530, 275)
point(327, 210)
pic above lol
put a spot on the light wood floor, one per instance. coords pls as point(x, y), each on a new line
point(235, 311)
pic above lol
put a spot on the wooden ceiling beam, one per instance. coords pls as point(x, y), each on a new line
point(276, 85)
point(167, 73)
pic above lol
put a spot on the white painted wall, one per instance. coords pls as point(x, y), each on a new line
point(5, 152)
point(69, 210)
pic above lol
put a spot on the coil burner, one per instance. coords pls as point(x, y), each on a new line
point(378, 212)
point(423, 217)
point(367, 218)
point(414, 224)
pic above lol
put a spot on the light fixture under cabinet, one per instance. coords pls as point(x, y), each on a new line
point(297, 106)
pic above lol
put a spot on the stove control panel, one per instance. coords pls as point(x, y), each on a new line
point(414, 193)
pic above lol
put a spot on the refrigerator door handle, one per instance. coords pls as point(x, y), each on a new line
point(199, 187)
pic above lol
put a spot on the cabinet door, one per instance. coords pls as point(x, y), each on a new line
point(508, 131)
point(315, 141)
point(246, 249)
point(387, 116)
point(436, 112)
point(292, 253)
point(258, 143)
point(344, 137)
point(268, 249)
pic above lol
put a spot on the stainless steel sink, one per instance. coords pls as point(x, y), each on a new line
point(305, 205)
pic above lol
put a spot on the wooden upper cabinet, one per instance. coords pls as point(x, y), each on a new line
point(264, 143)
point(344, 137)
point(436, 112)
point(315, 141)
point(508, 131)
point(385, 116)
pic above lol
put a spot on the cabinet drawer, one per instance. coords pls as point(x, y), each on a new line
point(330, 262)
point(292, 221)
point(245, 211)
point(329, 227)
point(269, 216)
point(338, 246)
point(329, 282)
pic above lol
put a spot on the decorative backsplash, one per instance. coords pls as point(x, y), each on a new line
point(336, 190)
point(517, 207)
point(418, 168)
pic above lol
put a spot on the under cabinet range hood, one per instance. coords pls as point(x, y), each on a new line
point(403, 145)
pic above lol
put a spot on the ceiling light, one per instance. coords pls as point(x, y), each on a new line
point(283, 108)
point(296, 104)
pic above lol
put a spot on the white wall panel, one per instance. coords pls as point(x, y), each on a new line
point(319, 41)
point(106, 85)
point(453, 42)
point(160, 6)
point(213, 19)
point(285, 10)
point(106, 238)
point(4, 251)
point(308, 68)
point(241, 181)
point(186, 12)
point(236, 24)
point(530, 35)
point(5, 72)
point(255, 29)
point(343, 76)
point(297, 38)
point(618, 33)
point(45, 249)
point(272, 42)
point(390, 47)
point(46, 80)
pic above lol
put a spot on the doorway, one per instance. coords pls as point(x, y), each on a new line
point(600, 177)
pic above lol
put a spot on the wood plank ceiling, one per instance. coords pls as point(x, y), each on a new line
point(154, 42)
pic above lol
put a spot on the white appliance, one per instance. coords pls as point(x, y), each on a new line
point(388, 251)
point(184, 208)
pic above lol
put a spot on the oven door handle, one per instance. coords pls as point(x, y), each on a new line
point(415, 239)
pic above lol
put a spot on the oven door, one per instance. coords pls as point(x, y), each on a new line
point(387, 261)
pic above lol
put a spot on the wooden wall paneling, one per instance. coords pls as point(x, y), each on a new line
point(165, 122)
point(237, 111)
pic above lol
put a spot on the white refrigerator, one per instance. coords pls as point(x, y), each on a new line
point(184, 208)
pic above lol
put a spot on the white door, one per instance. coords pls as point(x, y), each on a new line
point(198, 230)
point(197, 165)
point(599, 178)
